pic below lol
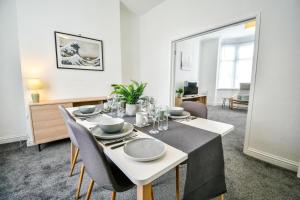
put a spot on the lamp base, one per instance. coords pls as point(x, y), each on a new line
point(35, 97)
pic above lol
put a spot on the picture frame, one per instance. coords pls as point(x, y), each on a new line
point(78, 52)
point(185, 62)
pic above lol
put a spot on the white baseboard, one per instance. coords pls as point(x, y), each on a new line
point(275, 160)
point(12, 138)
point(30, 143)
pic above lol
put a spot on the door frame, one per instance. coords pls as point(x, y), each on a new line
point(257, 17)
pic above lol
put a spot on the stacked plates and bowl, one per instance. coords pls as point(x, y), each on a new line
point(107, 127)
point(86, 111)
point(178, 113)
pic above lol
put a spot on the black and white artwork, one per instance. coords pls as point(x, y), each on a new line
point(77, 52)
point(185, 61)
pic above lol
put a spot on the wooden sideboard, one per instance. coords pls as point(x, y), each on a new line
point(47, 122)
point(197, 98)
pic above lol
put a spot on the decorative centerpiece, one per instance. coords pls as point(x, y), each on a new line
point(130, 94)
point(179, 92)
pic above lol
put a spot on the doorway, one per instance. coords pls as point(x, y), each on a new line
point(221, 62)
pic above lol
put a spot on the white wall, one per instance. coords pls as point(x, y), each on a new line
point(12, 123)
point(37, 21)
point(130, 45)
point(208, 68)
point(274, 134)
point(188, 48)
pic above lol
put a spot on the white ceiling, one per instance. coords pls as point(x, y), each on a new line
point(141, 6)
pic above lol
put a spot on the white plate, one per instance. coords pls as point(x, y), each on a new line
point(184, 115)
point(77, 113)
point(144, 149)
point(99, 133)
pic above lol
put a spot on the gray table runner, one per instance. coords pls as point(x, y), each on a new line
point(205, 177)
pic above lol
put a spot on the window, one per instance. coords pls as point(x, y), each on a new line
point(235, 65)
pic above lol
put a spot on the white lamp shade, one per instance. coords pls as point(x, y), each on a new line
point(34, 84)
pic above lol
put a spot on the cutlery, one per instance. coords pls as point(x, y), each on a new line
point(120, 140)
point(186, 119)
point(117, 146)
point(180, 120)
point(122, 144)
point(193, 117)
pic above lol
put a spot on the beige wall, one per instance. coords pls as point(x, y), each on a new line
point(129, 45)
point(274, 128)
point(37, 21)
point(208, 67)
point(12, 115)
point(187, 48)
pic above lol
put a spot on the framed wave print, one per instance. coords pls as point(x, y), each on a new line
point(78, 52)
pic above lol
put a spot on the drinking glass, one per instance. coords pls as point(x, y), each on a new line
point(165, 123)
point(107, 105)
point(153, 114)
point(163, 118)
point(120, 109)
point(115, 104)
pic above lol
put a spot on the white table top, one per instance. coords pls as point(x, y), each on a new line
point(142, 173)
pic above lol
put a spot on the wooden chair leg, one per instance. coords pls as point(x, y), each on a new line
point(177, 183)
point(113, 196)
point(88, 194)
point(72, 153)
point(80, 181)
point(152, 195)
point(74, 162)
point(221, 197)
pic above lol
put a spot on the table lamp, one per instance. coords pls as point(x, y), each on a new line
point(34, 84)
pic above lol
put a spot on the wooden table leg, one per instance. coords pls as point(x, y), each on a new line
point(144, 192)
point(177, 183)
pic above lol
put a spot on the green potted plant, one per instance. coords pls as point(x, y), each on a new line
point(179, 92)
point(130, 94)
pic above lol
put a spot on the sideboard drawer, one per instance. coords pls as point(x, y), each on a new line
point(47, 123)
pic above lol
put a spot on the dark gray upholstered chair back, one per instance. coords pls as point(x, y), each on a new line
point(66, 115)
point(195, 108)
point(97, 165)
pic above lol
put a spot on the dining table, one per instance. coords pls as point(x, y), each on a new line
point(196, 142)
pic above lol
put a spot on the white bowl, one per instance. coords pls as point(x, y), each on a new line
point(111, 125)
point(87, 109)
point(175, 111)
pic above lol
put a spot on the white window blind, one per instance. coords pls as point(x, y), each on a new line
point(235, 65)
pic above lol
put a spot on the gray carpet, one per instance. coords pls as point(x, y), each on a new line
point(26, 173)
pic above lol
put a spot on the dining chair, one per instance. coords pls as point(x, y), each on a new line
point(74, 144)
point(196, 109)
point(101, 169)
